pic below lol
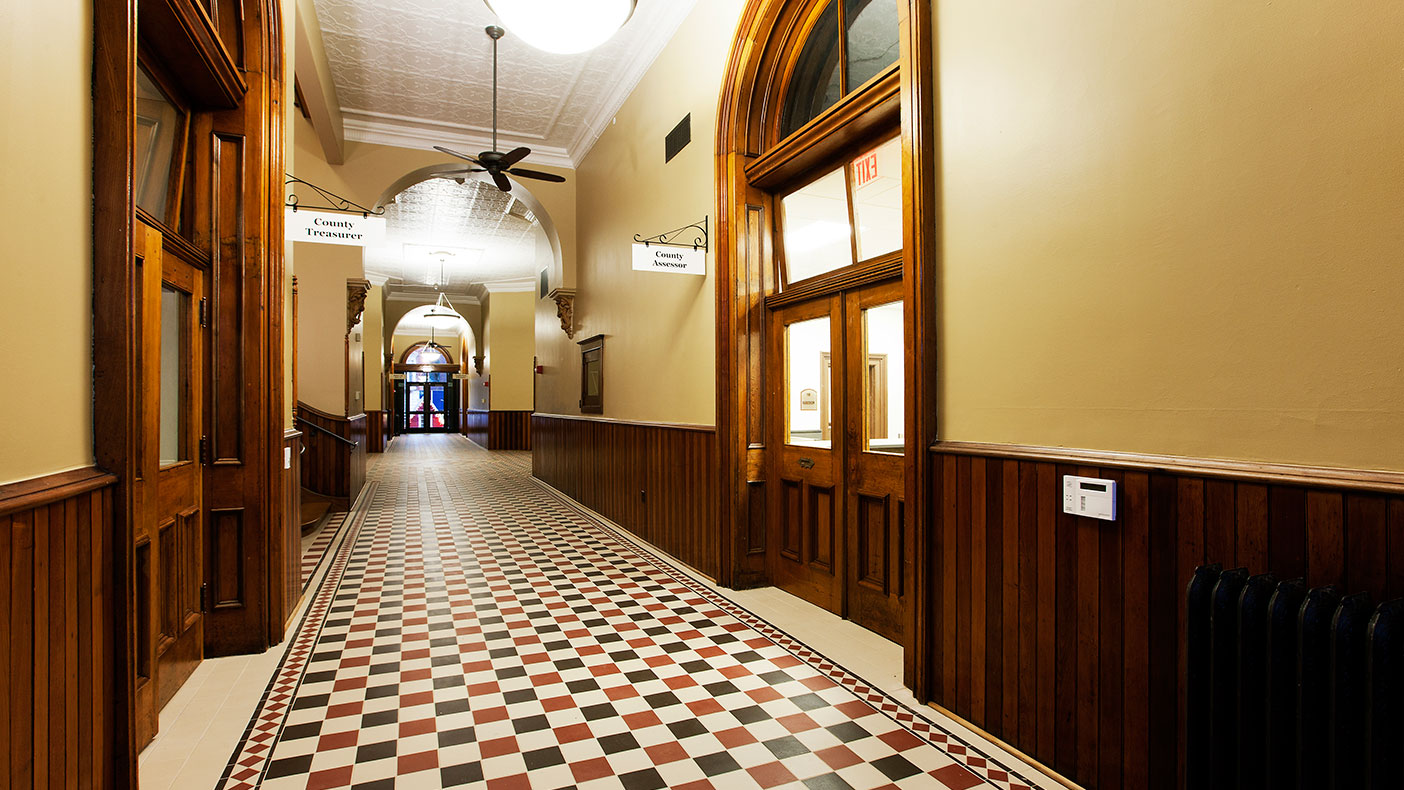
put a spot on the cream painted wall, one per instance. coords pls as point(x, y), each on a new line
point(322, 272)
point(45, 218)
point(659, 355)
point(1174, 228)
point(511, 349)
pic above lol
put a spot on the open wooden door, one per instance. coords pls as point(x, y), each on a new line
point(168, 531)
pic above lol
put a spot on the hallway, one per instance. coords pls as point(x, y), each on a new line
point(474, 629)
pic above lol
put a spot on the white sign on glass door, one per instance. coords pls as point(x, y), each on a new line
point(321, 227)
point(673, 260)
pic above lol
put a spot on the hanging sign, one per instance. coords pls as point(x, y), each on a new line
point(323, 227)
point(460, 376)
point(673, 260)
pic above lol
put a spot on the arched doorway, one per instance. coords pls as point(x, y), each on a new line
point(823, 484)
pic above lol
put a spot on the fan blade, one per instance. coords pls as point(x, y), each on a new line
point(514, 156)
point(501, 181)
point(451, 152)
point(537, 174)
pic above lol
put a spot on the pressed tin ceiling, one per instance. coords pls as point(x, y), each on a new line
point(448, 235)
point(416, 73)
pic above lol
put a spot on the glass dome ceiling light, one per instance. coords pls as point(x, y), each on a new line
point(563, 26)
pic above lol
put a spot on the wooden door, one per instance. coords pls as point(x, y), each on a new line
point(806, 473)
point(167, 491)
point(179, 528)
point(873, 450)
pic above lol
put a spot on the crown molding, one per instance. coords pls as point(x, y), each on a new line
point(422, 133)
point(670, 19)
point(514, 285)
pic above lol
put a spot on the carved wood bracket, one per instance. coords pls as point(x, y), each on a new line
point(565, 309)
point(356, 291)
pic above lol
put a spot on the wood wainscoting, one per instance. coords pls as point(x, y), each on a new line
point(60, 722)
point(656, 480)
point(1064, 636)
point(497, 430)
point(377, 430)
point(335, 465)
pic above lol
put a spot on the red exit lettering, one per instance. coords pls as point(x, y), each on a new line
point(865, 169)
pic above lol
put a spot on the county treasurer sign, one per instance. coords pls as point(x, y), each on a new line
point(322, 227)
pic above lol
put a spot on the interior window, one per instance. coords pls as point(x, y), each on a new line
point(157, 131)
point(849, 215)
point(851, 42)
point(427, 355)
point(817, 83)
point(877, 199)
point(816, 232)
point(870, 33)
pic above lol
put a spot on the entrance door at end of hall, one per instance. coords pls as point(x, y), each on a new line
point(836, 508)
point(428, 402)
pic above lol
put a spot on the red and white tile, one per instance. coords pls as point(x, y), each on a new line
point(475, 630)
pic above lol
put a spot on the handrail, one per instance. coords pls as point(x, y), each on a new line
point(314, 426)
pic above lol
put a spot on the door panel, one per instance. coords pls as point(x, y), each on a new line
point(873, 433)
point(167, 496)
point(806, 512)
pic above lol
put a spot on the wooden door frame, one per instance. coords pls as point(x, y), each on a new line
point(768, 39)
point(116, 380)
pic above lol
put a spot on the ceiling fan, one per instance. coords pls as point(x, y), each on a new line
point(494, 162)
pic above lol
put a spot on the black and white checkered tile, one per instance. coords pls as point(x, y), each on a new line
point(474, 630)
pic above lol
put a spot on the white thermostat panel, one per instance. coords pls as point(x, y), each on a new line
point(1089, 496)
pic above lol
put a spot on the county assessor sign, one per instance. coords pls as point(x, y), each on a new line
point(323, 227)
point(674, 260)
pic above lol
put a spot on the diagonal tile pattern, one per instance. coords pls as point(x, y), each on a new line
point(475, 629)
point(316, 551)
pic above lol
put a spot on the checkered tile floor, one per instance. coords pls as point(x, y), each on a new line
point(316, 552)
point(474, 630)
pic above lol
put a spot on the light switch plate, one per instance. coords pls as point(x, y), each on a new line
point(287, 457)
point(1089, 496)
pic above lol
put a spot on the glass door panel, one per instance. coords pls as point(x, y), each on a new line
point(436, 406)
point(174, 441)
point(808, 382)
point(883, 413)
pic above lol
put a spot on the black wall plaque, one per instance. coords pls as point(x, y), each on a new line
point(678, 138)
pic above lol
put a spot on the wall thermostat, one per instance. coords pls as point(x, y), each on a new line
point(1089, 496)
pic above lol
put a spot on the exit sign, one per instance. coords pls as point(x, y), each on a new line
point(865, 169)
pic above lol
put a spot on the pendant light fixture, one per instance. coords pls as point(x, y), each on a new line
point(563, 26)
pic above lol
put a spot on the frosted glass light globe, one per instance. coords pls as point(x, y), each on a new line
point(563, 26)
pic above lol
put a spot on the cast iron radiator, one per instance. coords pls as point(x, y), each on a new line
point(1290, 688)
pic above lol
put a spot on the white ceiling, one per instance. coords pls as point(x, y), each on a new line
point(417, 73)
point(451, 236)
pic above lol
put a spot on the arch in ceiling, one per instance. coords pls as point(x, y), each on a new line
point(543, 217)
point(414, 322)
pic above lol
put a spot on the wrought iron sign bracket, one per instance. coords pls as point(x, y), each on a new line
point(333, 201)
point(669, 239)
